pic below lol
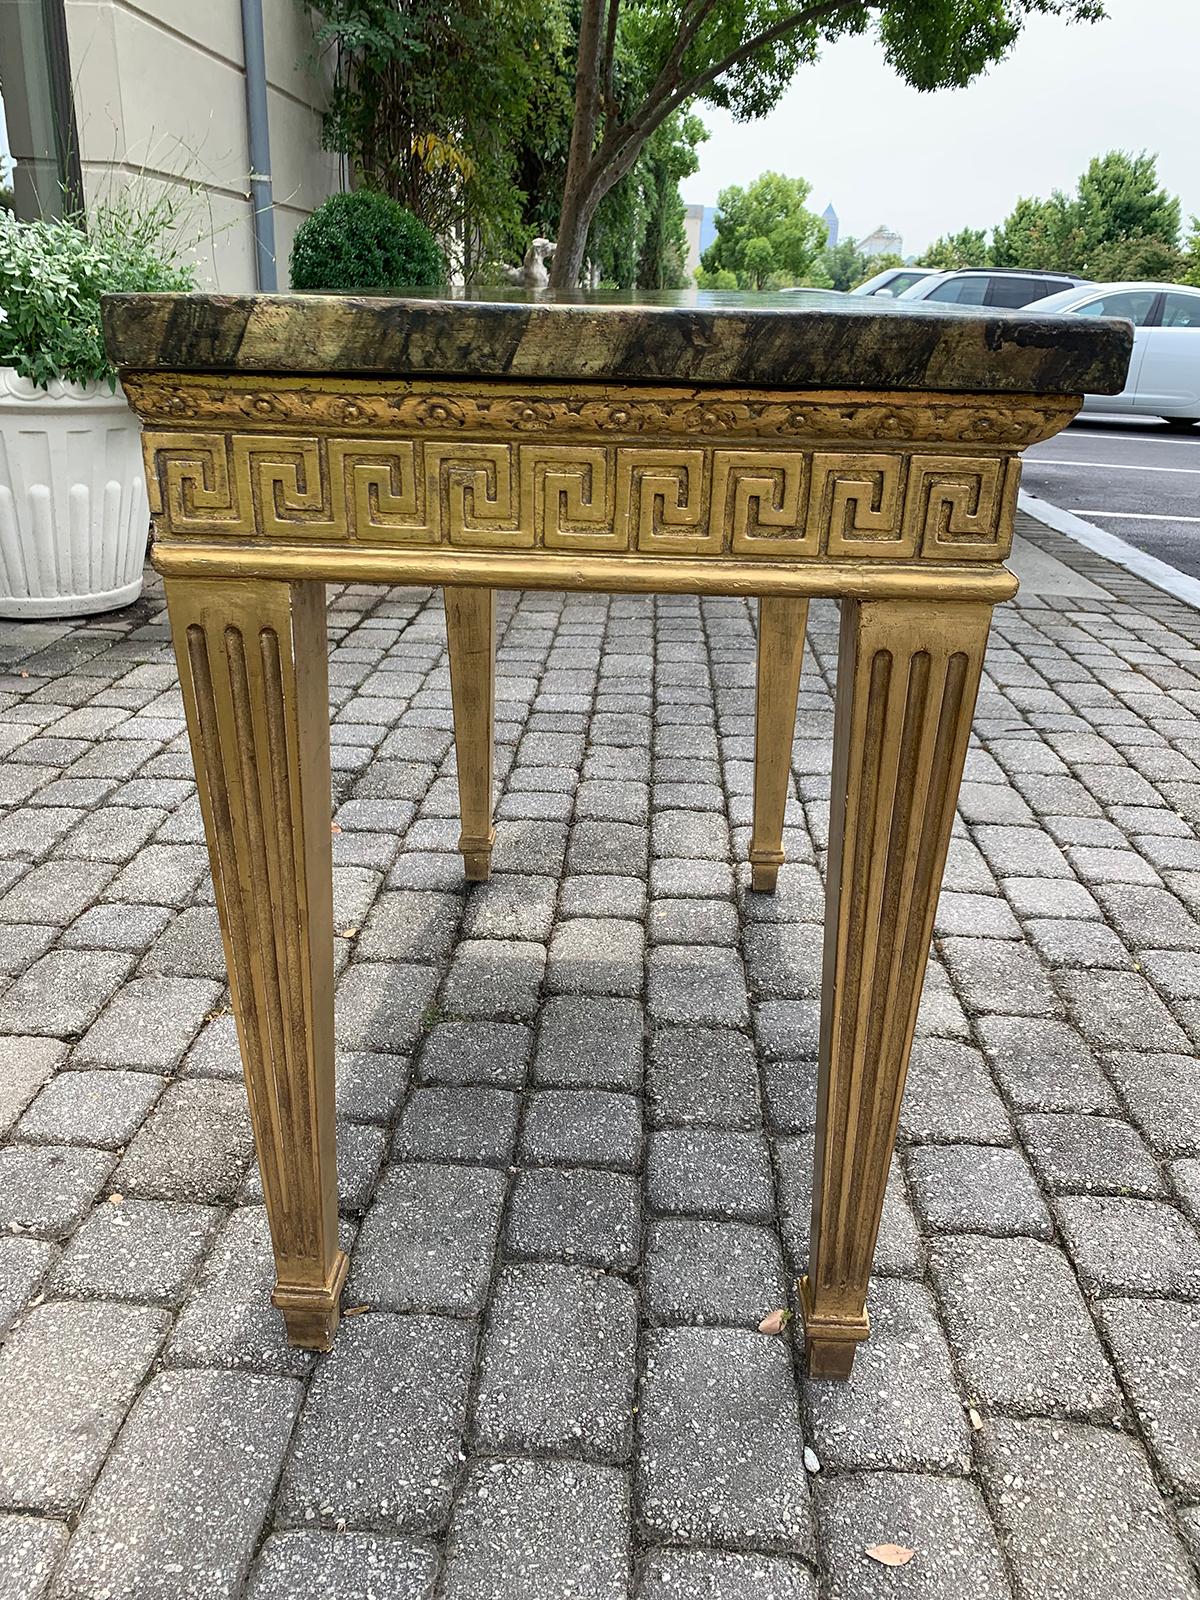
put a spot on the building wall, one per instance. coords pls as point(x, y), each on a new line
point(693, 219)
point(160, 104)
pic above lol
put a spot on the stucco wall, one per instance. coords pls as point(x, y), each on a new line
point(159, 89)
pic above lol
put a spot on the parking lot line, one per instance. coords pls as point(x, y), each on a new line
point(1107, 466)
point(1136, 516)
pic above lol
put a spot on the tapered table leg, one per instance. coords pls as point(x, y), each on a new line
point(252, 665)
point(471, 634)
point(908, 673)
point(781, 624)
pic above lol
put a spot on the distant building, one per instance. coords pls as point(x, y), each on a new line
point(883, 242)
point(830, 218)
point(700, 227)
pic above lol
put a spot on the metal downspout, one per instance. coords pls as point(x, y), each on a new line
point(259, 138)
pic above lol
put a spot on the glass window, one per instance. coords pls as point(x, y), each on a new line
point(1013, 292)
point(961, 291)
point(1132, 303)
point(1016, 291)
point(905, 280)
point(1181, 311)
point(36, 76)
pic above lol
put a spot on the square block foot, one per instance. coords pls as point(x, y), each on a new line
point(477, 865)
point(830, 1359)
point(830, 1342)
point(311, 1316)
point(764, 875)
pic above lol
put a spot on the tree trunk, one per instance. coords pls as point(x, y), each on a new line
point(576, 215)
point(573, 225)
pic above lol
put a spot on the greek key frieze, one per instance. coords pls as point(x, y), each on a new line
point(652, 497)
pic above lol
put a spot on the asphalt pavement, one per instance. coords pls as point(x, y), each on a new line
point(1130, 477)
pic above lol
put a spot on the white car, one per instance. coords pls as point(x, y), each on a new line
point(1164, 374)
point(892, 280)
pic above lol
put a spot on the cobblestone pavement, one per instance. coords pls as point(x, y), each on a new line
point(576, 1141)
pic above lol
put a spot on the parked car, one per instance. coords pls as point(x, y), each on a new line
point(1164, 374)
point(892, 280)
point(984, 286)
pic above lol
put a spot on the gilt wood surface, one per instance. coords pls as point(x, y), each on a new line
point(252, 667)
point(908, 674)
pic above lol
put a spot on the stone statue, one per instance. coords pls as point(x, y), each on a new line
point(532, 273)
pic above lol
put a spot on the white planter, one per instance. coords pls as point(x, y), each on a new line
point(73, 511)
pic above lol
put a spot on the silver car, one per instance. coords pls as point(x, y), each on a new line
point(990, 286)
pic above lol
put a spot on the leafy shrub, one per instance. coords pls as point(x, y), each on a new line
point(362, 241)
point(52, 274)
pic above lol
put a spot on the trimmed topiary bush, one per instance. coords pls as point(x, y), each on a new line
point(363, 241)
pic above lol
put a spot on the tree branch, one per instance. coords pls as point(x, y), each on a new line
point(664, 97)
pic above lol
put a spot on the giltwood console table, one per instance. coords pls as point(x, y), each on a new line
point(853, 449)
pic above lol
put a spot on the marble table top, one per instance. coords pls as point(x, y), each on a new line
point(809, 340)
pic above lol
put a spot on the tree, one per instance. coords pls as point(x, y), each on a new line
point(1138, 258)
point(430, 100)
point(954, 251)
point(845, 265)
point(1191, 256)
point(1120, 198)
point(1118, 224)
point(741, 55)
point(765, 232)
point(1041, 235)
point(669, 156)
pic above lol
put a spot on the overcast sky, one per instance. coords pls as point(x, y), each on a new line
point(927, 164)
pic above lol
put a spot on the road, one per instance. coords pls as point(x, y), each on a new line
point(1132, 478)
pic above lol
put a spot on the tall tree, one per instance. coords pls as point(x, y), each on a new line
point(954, 251)
point(1120, 198)
point(669, 156)
point(430, 98)
point(1119, 216)
point(1042, 235)
point(1191, 255)
point(765, 232)
point(741, 55)
point(845, 265)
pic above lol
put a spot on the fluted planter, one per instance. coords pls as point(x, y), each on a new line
point(73, 511)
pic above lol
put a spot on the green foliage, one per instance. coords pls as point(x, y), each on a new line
point(845, 265)
point(1120, 198)
point(1140, 258)
point(669, 156)
point(765, 235)
point(741, 55)
point(363, 241)
point(954, 251)
point(722, 278)
point(1191, 256)
point(1118, 224)
point(1038, 234)
point(431, 100)
point(52, 274)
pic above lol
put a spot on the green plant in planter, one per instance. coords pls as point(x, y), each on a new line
point(52, 274)
point(362, 241)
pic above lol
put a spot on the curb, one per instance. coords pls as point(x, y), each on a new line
point(1167, 578)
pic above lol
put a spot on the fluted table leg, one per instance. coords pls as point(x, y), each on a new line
point(908, 674)
point(781, 624)
point(252, 665)
point(471, 635)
